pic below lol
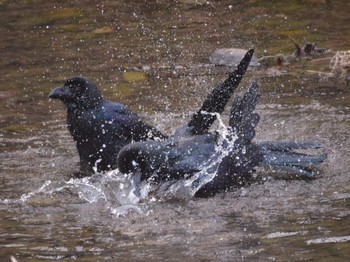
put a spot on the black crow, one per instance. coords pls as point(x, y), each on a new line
point(101, 128)
point(217, 161)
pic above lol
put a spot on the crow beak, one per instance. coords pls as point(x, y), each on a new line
point(58, 93)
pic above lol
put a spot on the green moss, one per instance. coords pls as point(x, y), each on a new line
point(292, 7)
point(123, 90)
point(71, 27)
point(18, 128)
point(63, 13)
point(103, 30)
point(134, 76)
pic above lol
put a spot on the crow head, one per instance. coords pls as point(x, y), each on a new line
point(77, 92)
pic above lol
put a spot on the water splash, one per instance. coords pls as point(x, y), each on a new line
point(25, 197)
point(187, 188)
point(122, 193)
point(119, 193)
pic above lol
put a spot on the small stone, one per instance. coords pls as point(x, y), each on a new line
point(146, 68)
point(230, 57)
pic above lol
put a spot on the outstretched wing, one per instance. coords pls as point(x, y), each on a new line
point(243, 120)
point(235, 169)
point(218, 98)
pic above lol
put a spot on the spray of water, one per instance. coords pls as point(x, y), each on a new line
point(117, 191)
point(122, 193)
point(187, 188)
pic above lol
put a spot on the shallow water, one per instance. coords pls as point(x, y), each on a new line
point(47, 214)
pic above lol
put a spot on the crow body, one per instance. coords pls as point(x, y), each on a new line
point(109, 136)
point(99, 127)
point(220, 160)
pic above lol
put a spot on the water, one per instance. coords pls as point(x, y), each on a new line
point(48, 214)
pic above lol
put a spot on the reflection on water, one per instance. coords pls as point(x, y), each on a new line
point(48, 214)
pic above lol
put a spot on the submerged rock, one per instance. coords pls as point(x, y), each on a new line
point(103, 30)
point(230, 57)
point(134, 76)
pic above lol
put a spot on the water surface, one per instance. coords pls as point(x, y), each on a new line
point(47, 214)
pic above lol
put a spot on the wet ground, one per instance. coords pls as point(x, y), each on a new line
point(47, 215)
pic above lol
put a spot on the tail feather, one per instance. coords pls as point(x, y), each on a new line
point(300, 171)
point(282, 156)
point(288, 146)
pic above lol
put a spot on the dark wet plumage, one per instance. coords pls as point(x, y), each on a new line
point(99, 127)
point(110, 136)
point(229, 154)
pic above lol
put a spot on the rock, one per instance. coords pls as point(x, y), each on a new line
point(230, 57)
point(146, 68)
